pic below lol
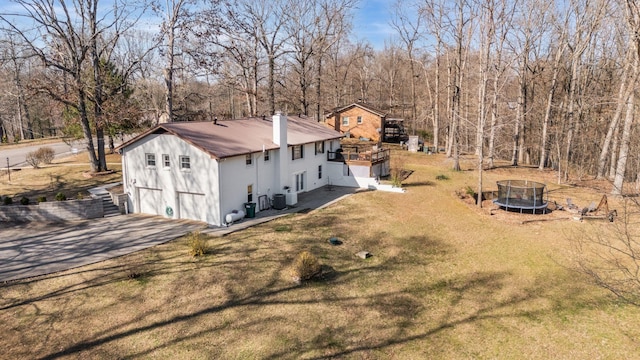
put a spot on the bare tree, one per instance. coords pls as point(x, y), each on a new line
point(588, 15)
point(632, 15)
point(462, 23)
point(316, 27)
point(16, 55)
point(409, 25)
point(610, 255)
point(67, 33)
point(177, 17)
point(266, 20)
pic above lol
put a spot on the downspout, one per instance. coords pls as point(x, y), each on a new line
point(125, 180)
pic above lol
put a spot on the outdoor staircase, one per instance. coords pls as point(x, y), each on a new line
point(109, 208)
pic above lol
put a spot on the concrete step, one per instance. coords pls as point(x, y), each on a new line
point(109, 208)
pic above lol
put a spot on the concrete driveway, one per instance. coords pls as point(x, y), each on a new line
point(30, 249)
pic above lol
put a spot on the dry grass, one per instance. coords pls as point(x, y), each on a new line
point(67, 175)
point(445, 281)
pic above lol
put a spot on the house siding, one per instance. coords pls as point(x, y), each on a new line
point(214, 187)
point(200, 180)
point(368, 129)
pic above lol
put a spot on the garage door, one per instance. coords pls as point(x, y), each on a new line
point(192, 206)
point(151, 201)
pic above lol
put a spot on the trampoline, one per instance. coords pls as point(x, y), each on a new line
point(521, 195)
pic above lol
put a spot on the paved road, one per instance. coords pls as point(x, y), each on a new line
point(18, 154)
point(28, 250)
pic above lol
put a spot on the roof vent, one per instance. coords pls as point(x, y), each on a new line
point(215, 120)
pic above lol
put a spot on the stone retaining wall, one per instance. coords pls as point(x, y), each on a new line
point(53, 211)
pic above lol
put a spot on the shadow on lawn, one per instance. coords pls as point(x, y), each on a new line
point(402, 312)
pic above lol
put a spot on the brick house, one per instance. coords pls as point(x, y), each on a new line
point(361, 120)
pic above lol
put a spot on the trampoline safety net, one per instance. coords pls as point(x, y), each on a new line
point(521, 194)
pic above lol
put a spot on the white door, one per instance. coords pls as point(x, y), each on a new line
point(151, 201)
point(300, 178)
point(192, 206)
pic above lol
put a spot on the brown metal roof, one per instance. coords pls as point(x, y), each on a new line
point(361, 105)
point(243, 136)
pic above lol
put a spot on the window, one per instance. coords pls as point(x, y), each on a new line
point(151, 159)
point(319, 147)
point(185, 162)
point(266, 155)
point(319, 171)
point(297, 152)
point(359, 119)
point(248, 159)
point(345, 121)
point(166, 162)
point(250, 193)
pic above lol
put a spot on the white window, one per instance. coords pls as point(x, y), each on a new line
point(359, 119)
point(166, 162)
point(185, 162)
point(250, 193)
point(151, 159)
point(266, 155)
point(319, 147)
point(345, 121)
point(248, 159)
point(297, 152)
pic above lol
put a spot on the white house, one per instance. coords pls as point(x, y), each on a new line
point(206, 170)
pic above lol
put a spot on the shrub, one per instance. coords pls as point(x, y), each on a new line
point(45, 154)
point(397, 174)
point(24, 200)
point(7, 200)
point(197, 244)
point(304, 267)
point(33, 159)
point(41, 199)
point(282, 228)
point(469, 191)
point(442, 177)
point(79, 196)
point(61, 197)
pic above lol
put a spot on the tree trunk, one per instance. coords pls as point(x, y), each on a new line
point(570, 117)
point(272, 86)
point(86, 129)
point(436, 105)
point(621, 166)
point(544, 153)
point(168, 74)
point(623, 94)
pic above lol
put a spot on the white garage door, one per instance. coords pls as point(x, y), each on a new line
point(151, 201)
point(192, 206)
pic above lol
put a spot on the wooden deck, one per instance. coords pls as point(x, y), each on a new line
point(354, 156)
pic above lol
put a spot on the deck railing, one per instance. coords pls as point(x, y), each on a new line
point(372, 157)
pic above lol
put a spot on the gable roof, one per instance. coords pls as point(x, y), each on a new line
point(361, 105)
point(239, 137)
